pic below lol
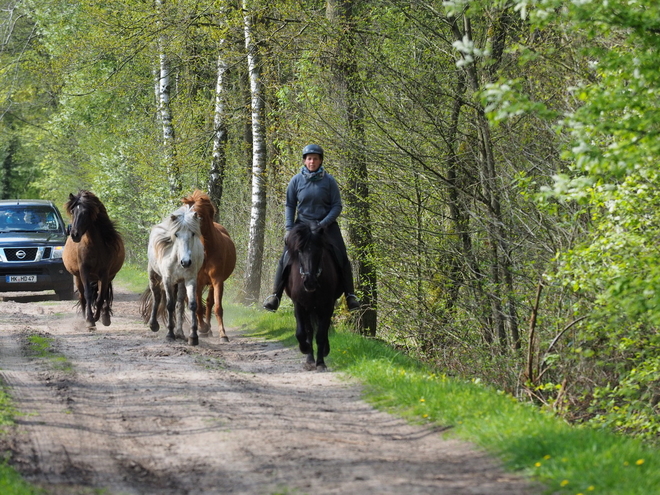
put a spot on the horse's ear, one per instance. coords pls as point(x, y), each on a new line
point(173, 218)
point(71, 197)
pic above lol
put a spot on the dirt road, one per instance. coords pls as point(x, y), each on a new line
point(132, 414)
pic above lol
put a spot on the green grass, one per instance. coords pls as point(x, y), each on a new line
point(133, 278)
point(11, 482)
point(41, 347)
point(565, 459)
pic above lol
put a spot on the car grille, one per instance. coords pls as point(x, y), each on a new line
point(24, 255)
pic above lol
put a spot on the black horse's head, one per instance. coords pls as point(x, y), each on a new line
point(306, 246)
point(84, 208)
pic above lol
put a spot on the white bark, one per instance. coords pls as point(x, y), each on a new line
point(258, 210)
point(218, 157)
point(165, 111)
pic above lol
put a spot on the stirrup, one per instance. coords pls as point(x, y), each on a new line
point(352, 302)
point(272, 302)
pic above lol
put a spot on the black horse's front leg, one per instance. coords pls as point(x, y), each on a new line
point(304, 334)
point(322, 342)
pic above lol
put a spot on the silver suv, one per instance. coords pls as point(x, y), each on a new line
point(32, 238)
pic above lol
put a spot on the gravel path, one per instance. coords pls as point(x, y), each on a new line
point(134, 414)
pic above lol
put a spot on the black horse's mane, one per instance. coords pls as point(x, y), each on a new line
point(300, 237)
point(98, 214)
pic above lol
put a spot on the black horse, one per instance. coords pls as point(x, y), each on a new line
point(314, 286)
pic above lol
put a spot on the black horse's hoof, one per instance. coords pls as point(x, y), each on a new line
point(321, 367)
point(91, 326)
point(193, 340)
point(154, 327)
point(170, 337)
point(310, 364)
point(105, 319)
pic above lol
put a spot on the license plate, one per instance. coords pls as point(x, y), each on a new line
point(21, 279)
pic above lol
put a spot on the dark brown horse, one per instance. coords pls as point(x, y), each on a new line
point(314, 286)
point(219, 263)
point(93, 254)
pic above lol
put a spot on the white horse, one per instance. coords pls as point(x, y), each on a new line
point(176, 255)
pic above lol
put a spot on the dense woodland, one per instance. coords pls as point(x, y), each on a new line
point(497, 161)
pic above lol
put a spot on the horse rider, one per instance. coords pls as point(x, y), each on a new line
point(314, 195)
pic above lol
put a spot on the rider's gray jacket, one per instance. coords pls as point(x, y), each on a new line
point(314, 196)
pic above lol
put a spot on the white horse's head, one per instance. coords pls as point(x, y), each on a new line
point(186, 235)
point(178, 237)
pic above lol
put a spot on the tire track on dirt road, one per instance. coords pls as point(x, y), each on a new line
point(138, 415)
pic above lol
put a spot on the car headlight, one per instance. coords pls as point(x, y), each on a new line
point(57, 252)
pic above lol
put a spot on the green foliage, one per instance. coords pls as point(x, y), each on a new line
point(612, 178)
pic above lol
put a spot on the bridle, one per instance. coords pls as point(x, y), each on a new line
point(304, 273)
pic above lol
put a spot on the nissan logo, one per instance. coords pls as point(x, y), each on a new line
point(20, 254)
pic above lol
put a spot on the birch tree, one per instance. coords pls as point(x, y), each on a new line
point(165, 111)
point(218, 156)
point(258, 206)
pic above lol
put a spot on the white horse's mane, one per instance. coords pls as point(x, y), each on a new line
point(163, 233)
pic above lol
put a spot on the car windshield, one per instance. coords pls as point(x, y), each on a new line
point(22, 218)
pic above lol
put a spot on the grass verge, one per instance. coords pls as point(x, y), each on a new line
point(133, 278)
point(565, 459)
point(11, 482)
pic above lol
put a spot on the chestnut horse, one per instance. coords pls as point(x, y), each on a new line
point(314, 285)
point(219, 263)
point(93, 254)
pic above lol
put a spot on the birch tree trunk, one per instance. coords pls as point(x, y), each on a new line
point(218, 157)
point(258, 210)
point(165, 111)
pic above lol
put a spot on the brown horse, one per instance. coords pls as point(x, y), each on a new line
point(93, 254)
point(219, 263)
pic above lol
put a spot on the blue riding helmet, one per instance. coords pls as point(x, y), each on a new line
point(312, 148)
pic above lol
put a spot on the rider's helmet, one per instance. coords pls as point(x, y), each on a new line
point(312, 148)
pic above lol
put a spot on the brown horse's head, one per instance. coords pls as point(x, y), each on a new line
point(202, 204)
